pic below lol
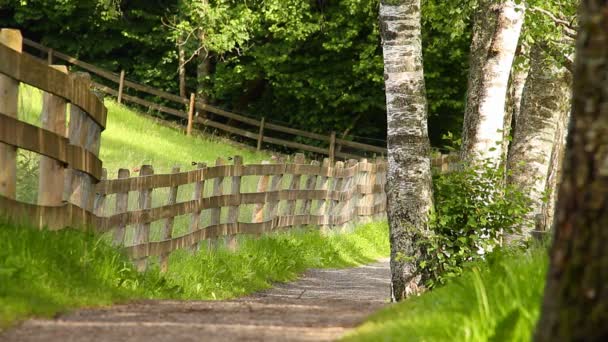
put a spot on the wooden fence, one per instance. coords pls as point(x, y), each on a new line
point(259, 130)
point(151, 215)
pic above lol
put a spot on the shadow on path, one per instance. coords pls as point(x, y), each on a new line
point(320, 306)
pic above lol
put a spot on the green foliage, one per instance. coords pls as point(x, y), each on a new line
point(474, 209)
point(44, 272)
point(497, 299)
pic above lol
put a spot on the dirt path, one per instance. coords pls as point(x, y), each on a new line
point(322, 305)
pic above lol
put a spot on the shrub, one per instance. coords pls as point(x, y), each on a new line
point(474, 209)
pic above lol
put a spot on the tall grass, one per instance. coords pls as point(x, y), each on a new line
point(497, 300)
point(45, 272)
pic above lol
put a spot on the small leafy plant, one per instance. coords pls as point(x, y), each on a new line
point(474, 209)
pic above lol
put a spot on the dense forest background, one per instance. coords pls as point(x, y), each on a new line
point(313, 64)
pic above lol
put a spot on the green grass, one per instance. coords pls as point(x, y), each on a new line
point(498, 300)
point(44, 272)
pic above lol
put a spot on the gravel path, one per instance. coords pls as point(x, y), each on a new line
point(321, 306)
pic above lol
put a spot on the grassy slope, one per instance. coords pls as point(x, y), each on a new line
point(494, 301)
point(42, 273)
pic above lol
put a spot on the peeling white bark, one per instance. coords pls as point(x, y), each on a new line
point(409, 188)
point(495, 38)
point(539, 138)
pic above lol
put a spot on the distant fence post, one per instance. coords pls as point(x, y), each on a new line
point(142, 232)
point(49, 56)
point(52, 172)
point(85, 132)
point(197, 196)
point(336, 188)
point(122, 206)
point(167, 231)
point(121, 85)
point(324, 185)
point(9, 100)
point(190, 114)
point(332, 147)
point(261, 134)
point(233, 211)
point(258, 209)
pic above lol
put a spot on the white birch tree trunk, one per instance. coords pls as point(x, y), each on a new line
point(538, 140)
point(495, 37)
point(409, 174)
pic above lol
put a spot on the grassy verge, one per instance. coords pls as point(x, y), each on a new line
point(44, 272)
point(498, 300)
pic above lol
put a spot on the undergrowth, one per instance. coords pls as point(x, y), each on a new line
point(45, 272)
point(495, 300)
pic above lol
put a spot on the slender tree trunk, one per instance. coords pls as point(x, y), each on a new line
point(409, 174)
point(575, 305)
point(202, 72)
point(182, 67)
point(546, 101)
point(519, 74)
point(495, 36)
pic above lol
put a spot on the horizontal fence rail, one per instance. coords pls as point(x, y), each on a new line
point(260, 128)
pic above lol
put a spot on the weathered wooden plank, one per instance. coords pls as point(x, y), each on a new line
point(122, 206)
point(275, 186)
point(291, 144)
point(100, 199)
point(290, 208)
point(361, 146)
point(258, 208)
point(29, 137)
point(311, 183)
point(324, 204)
point(190, 114)
point(30, 70)
point(9, 103)
point(337, 184)
point(84, 132)
point(51, 217)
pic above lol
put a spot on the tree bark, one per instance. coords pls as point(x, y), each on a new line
point(182, 66)
point(495, 36)
point(517, 81)
point(575, 305)
point(537, 137)
point(409, 171)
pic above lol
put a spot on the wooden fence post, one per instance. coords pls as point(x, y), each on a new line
point(9, 101)
point(167, 232)
point(337, 184)
point(190, 114)
point(258, 209)
point(233, 211)
point(324, 180)
point(52, 172)
point(261, 134)
point(311, 183)
point(142, 232)
point(332, 146)
point(195, 220)
point(216, 213)
point(275, 185)
point(294, 185)
point(122, 206)
point(85, 132)
point(121, 86)
point(99, 205)
point(49, 56)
